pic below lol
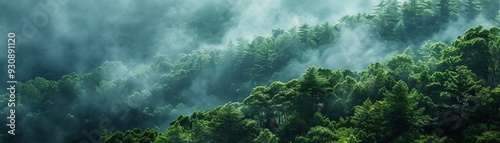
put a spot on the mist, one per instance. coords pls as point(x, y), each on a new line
point(455, 28)
point(80, 36)
point(354, 50)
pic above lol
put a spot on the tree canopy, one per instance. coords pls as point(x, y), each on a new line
point(425, 92)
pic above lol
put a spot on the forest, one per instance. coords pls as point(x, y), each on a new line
point(301, 84)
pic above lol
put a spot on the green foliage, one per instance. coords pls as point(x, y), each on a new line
point(227, 125)
point(369, 118)
point(266, 136)
point(317, 134)
point(161, 63)
point(134, 135)
point(401, 65)
point(431, 138)
point(350, 135)
point(474, 50)
point(482, 133)
point(176, 133)
point(399, 100)
point(294, 126)
point(306, 35)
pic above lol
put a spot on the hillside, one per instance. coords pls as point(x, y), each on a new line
point(399, 73)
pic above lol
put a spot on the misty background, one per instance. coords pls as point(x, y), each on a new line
point(80, 36)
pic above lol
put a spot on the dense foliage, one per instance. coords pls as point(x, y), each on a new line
point(420, 96)
point(439, 92)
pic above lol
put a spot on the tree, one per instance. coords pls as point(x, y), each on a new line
point(376, 79)
point(39, 91)
point(161, 63)
point(412, 15)
point(397, 113)
point(475, 55)
point(494, 44)
point(69, 85)
point(483, 133)
point(401, 65)
point(326, 34)
point(247, 57)
point(266, 136)
point(487, 105)
point(258, 106)
point(227, 125)
point(402, 111)
point(317, 134)
point(400, 29)
point(319, 119)
point(388, 15)
point(294, 126)
point(200, 131)
point(313, 87)
point(278, 32)
point(176, 133)
point(462, 83)
point(350, 135)
point(446, 11)
point(432, 51)
point(430, 138)
point(265, 58)
point(471, 8)
point(133, 135)
point(306, 35)
point(368, 117)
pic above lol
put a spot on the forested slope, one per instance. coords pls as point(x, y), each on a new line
point(427, 91)
point(438, 93)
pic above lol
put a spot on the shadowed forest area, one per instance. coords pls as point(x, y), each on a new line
point(404, 71)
